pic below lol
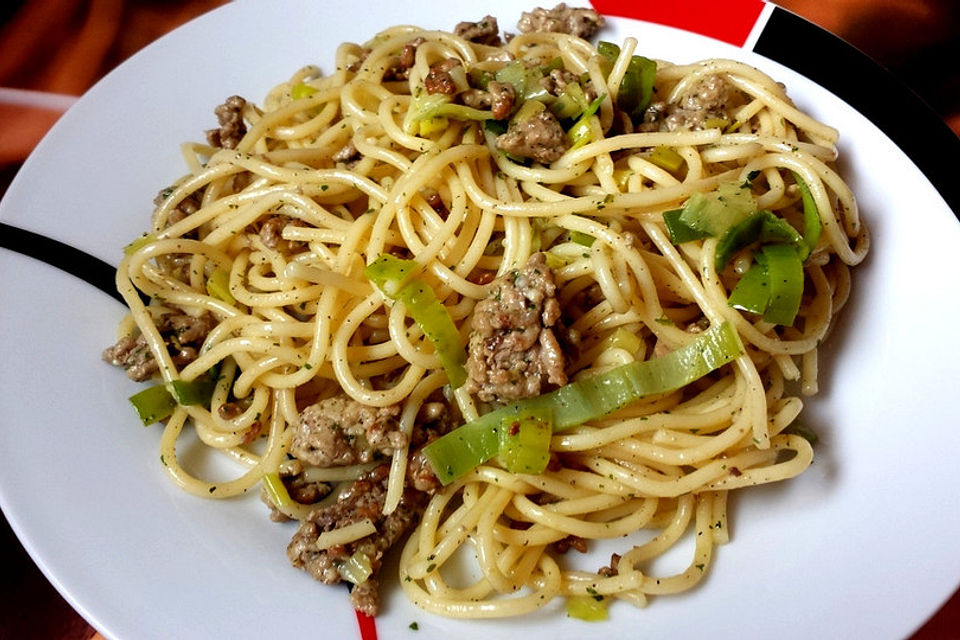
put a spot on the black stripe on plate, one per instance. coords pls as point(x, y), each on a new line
point(872, 90)
point(77, 263)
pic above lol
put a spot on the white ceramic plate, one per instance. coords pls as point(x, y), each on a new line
point(863, 544)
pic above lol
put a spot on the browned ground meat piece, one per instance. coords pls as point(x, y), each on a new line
point(134, 356)
point(340, 431)
point(187, 206)
point(539, 137)
point(439, 80)
point(408, 55)
point(513, 348)
point(580, 22)
point(347, 153)
point(485, 31)
point(711, 97)
point(182, 333)
point(364, 499)
point(502, 98)
point(557, 80)
point(232, 129)
point(271, 230)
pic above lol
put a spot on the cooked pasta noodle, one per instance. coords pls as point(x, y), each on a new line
point(330, 174)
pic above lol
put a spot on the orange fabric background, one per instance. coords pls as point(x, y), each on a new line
point(64, 46)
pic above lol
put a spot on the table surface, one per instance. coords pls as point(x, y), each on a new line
point(906, 36)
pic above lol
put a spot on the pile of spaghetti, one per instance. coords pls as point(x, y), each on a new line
point(495, 300)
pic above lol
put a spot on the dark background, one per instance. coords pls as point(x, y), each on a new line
point(64, 46)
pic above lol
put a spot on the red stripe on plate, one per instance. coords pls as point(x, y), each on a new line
point(368, 627)
point(728, 21)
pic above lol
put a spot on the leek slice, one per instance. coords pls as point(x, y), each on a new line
point(812, 226)
point(472, 444)
point(525, 442)
point(587, 608)
point(392, 276)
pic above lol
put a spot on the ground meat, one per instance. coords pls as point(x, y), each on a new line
point(580, 22)
point(182, 333)
point(271, 230)
point(711, 97)
point(408, 55)
point(347, 153)
point(502, 98)
point(439, 80)
point(232, 129)
point(614, 567)
point(363, 499)
point(557, 80)
point(539, 137)
point(513, 349)
point(405, 61)
point(486, 31)
point(340, 431)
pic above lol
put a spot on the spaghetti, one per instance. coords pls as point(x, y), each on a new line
point(258, 272)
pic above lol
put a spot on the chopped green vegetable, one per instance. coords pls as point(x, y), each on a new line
point(525, 441)
point(571, 103)
point(666, 158)
point(587, 608)
point(580, 237)
point(277, 491)
point(153, 404)
point(195, 392)
point(392, 276)
point(426, 105)
point(785, 275)
point(752, 292)
point(812, 226)
point(459, 451)
point(580, 132)
point(301, 90)
point(773, 286)
point(218, 286)
point(636, 88)
point(718, 210)
point(799, 428)
point(762, 226)
point(678, 230)
point(357, 569)
point(527, 110)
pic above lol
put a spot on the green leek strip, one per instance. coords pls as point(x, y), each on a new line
point(472, 444)
point(762, 226)
point(812, 226)
point(718, 210)
point(678, 230)
point(514, 73)
point(301, 90)
point(425, 105)
point(157, 402)
point(579, 133)
point(357, 569)
point(153, 404)
point(666, 158)
point(277, 491)
point(752, 292)
point(785, 275)
point(392, 276)
point(587, 608)
point(525, 441)
point(218, 286)
point(580, 237)
point(636, 88)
